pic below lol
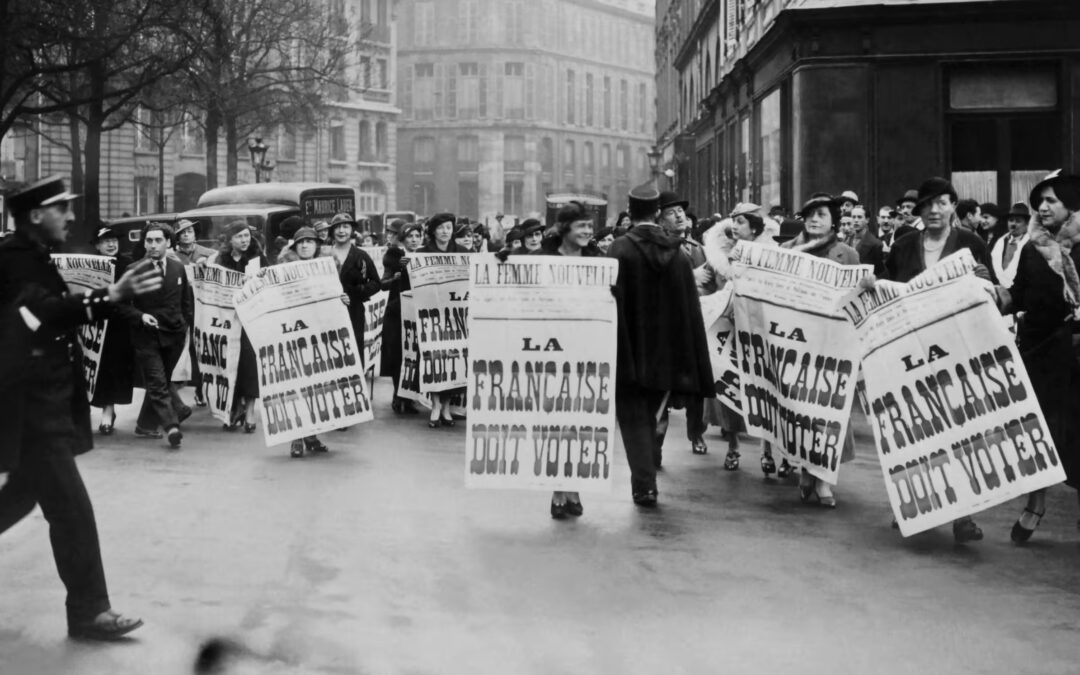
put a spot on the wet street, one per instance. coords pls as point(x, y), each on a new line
point(375, 559)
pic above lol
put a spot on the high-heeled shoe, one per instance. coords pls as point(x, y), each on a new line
point(574, 508)
point(806, 486)
point(249, 428)
point(731, 460)
point(200, 399)
point(446, 422)
point(297, 448)
point(315, 445)
point(768, 465)
point(823, 492)
point(1021, 534)
point(106, 428)
point(785, 470)
point(433, 424)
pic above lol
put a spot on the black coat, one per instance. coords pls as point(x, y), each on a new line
point(905, 260)
point(360, 280)
point(661, 332)
point(115, 376)
point(395, 279)
point(42, 392)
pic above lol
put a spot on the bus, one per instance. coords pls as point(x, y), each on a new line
point(594, 206)
point(376, 223)
point(264, 206)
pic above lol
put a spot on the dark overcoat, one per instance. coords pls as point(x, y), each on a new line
point(661, 332)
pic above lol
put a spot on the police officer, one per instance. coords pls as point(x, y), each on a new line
point(47, 415)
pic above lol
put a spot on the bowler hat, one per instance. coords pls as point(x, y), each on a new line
point(104, 231)
point(305, 233)
point(789, 229)
point(45, 192)
point(1021, 210)
point(909, 196)
point(669, 199)
point(646, 195)
point(1066, 187)
point(932, 188)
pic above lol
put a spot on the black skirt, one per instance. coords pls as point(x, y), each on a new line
point(115, 376)
point(1055, 377)
point(247, 371)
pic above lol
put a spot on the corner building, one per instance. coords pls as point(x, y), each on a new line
point(504, 101)
point(771, 100)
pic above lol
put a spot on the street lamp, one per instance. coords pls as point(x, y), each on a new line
point(258, 158)
point(654, 163)
point(670, 173)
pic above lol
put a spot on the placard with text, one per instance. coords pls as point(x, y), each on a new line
point(84, 273)
point(440, 291)
point(216, 333)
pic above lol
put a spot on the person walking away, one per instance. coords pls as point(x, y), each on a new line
point(46, 412)
point(662, 349)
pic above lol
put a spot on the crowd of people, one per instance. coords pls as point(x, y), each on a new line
point(667, 259)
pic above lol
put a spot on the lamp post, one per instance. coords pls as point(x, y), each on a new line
point(258, 158)
point(654, 164)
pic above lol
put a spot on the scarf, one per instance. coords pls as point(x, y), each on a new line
point(1054, 248)
point(811, 246)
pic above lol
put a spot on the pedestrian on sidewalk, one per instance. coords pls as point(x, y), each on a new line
point(46, 412)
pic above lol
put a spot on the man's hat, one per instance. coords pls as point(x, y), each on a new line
point(104, 231)
point(305, 233)
point(342, 219)
point(789, 229)
point(1066, 187)
point(645, 195)
point(849, 196)
point(184, 224)
point(932, 188)
point(669, 199)
point(45, 192)
point(1021, 210)
point(909, 196)
point(743, 208)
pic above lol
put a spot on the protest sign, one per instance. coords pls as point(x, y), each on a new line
point(541, 389)
point(718, 331)
point(217, 333)
point(440, 290)
point(376, 253)
point(375, 312)
point(409, 382)
point(311, 377)
point(84, 273)
point(957, 424)
point(797, 354)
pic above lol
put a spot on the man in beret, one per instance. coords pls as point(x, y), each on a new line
point(46, 412)
point(662, 350)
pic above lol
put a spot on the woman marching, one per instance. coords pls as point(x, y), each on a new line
point(305, 246)
point(440, 232)
point(821, 218)
point(115, 374)
point(241, 253)
point(1047, 290)
point(190, 252)
point(574, 237)
point(396, 280)
point(359, 278)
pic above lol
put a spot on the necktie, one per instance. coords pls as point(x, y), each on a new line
point(1010, 251)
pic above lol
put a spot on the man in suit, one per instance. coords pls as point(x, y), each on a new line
point(870, 249)
point(159, 323)
point(1003, 254)
point(46, 411)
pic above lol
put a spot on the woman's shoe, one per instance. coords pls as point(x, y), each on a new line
point(409, 408)
point(249, 428)
point(315, 445)
point(965, 530)
point(558, 511)
point(731, 460)
point(573, 505)
point(824, 494)
point(768, 465)
point(234, 423)
point(446, 423)
point(297, 448)
point(1021, 534)
point(806, 486)
point(106, 428)
point(433, 424)
point(396, 405)
point(698, 447)
point(200, 400)
point(785, 469)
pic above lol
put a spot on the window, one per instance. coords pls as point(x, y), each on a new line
point(769, 149)
point(745, 167)
point(193, 142)
point(514, 91)
point(589, 99)
point(382, 142)
point(365, 142)
point(607, 102)
point(372, 196)
point(424, 154)
point(514, 153)
point(468, 152)
point(568, 156)
point(642, 114)
point(383, 81)
point(469, 21)
point(512, 196)
point(622, 159)
point(145, 195)
point(143, 131)
point(337, 141)
point(570, 96)
point(587, 158)
point(513, 24)
point(424, 23)
point(423, 198)
point(605, 159)
point(624, 105)
point(424, 91)
point(547, 155)
point(365, 72)
point(380, 13)
point(468, 98)
point(468, 198)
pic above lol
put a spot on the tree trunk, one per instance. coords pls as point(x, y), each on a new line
point(78, 186)
point(161, 171)
point(92, 195)
point(213, 123)
point(231, 144)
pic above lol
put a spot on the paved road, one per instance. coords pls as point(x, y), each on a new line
point(374, 559)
